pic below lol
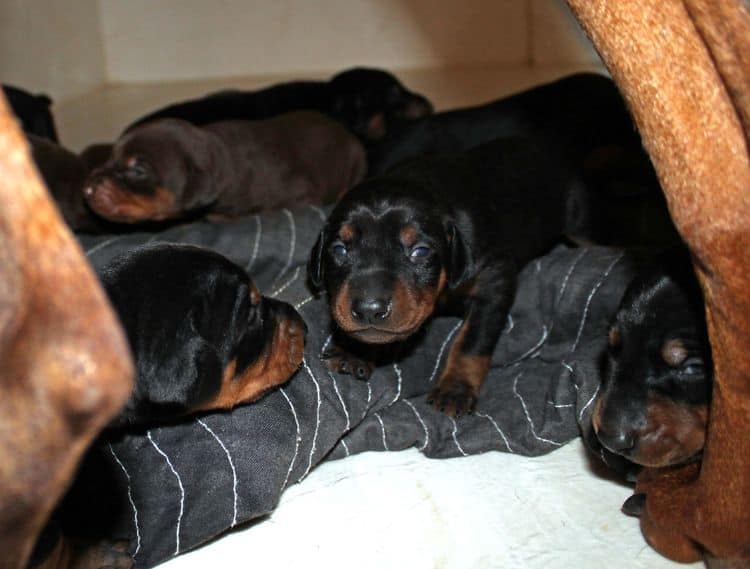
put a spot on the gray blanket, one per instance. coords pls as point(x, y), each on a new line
point(172, 488)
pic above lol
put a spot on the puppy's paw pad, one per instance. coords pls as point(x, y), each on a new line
point(339, 361)
point(454, 399)
point(634, 505)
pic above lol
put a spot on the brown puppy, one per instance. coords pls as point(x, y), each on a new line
point(169, 168)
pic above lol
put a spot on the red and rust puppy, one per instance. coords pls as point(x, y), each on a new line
point(170, 169)
point(446, 227)
point(202, 336)
point(366, 101)
point(653, 405)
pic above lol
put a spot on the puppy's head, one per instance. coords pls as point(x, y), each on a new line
point(202, 335)
point(653, 404)
point(384, 257)
point(370, 100)
point(157, 171)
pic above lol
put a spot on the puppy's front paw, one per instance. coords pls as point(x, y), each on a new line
point(340, 361)
point(453, 397)
point(103, 554)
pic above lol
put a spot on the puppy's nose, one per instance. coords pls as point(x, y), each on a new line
point(371, 310)
point(619, 441)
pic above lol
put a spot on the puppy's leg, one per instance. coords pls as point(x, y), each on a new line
point(486, 306)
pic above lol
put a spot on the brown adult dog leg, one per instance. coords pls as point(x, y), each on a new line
point(682, 66)
point(65, 367)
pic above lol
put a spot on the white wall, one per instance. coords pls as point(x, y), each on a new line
point(51, 46)
point(151, 40)
point(68, 47)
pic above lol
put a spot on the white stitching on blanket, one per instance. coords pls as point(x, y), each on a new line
point(297, 438)
point(424, 426)
point(532, 349)
point(182, 491)
point(325, 344)
point(256, 244)
point(101, 245)
point(341, 399)
point(398, 375)
point(302, 302)
point(498, 429)
point(346, 447)
point(589, 402)
point(591, 296)
point(382, 430)
point(442, 349)
point(528, 417)
point(455, 438)
point(286, 285)
point(132, 503)
point(319, 211)
point(313, 448)
point(509, 324)
point(560, 405)
point(292, 244)
point(231, 465)
point(564, 283)
point(369, 399)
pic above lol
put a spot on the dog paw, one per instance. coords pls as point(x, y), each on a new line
point(340, 361)
point(103, 554)
point(634, 505)
point(454, 398)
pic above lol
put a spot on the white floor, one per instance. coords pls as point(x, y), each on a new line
point(399, 509)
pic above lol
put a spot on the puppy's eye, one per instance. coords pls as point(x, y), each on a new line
point(419, 252)
point(339, 249)
point(692, 366)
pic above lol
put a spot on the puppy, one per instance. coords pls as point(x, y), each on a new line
point(366, 101)
point(203, 339)
point(33, 111)
point(202, 336)
point(65, 174)
point(446, 229)
point(583, 119)
point(169, 169)
point(653, 404)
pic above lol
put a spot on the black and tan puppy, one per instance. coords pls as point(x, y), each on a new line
point(653, 405)
point(584, 120)
point(366, 101)
point(170, 169)
point(33, 112)
point(65, 174)
point(454, 228)
point(202, 336)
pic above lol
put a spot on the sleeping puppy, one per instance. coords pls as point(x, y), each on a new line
point(450, 230)
point(203, 339)
point(653, 404)
point(366, 101)
point(202, 336)
point(64, 174)
point(583, 119)
point(33, 111)
point(169, 169)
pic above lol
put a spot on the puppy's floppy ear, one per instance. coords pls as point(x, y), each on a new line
point(460, 264)
point(315, 264)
